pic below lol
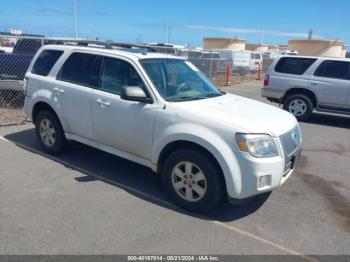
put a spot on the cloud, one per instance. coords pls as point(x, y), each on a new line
point(248, 31)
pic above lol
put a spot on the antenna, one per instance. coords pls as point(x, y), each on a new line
point(262, 36)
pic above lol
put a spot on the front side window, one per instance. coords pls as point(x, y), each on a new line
point(46, 61)
point(293, 65)
point(79, 69)
point(116, 73)
point(178, 80)
point(334, 69)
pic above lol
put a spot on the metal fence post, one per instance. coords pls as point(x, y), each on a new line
point(227, 74)
point(259, 72)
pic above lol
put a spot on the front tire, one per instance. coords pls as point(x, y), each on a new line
point(299, 105)
point(49, 132)
point(192, 180)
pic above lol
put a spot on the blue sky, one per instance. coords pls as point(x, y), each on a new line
point(190, 20)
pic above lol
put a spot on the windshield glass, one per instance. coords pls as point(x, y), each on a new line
point(178, 80)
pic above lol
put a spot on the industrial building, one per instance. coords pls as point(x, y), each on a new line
point(318, 47)
point(309, 46)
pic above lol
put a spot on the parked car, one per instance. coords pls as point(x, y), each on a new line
point(161, 112)
point(13, 67)
point(303, 84)
point(6, 50)
point(164, 48)
point(288, 52)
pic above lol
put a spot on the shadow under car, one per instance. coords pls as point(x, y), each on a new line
point(137, 180)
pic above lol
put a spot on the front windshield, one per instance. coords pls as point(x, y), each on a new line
point(178, 80)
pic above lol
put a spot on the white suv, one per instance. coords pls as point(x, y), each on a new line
point(161, 112)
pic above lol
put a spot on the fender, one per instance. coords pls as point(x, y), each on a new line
point(209, 140)
point(46, 96)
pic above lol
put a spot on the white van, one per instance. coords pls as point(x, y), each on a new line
point(240, 60)
point(256, 60)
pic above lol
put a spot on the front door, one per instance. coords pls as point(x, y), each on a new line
point(124, 125)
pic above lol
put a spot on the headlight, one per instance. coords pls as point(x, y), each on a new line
point(257, 145)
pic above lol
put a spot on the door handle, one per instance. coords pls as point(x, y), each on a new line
point(58, 90)
point(313, 83)
point(103, 103)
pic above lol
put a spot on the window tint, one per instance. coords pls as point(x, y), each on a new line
point(334, 69)
point(79, 69)
point(46, 61)
point(116, 73)
point(293, 65)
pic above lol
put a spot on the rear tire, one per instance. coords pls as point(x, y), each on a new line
point(299, 105)
point(49, 132)
point(193, 181)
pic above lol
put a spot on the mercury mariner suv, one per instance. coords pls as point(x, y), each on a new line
point(161, 112)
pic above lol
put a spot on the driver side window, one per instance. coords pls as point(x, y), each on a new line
point(116, 73)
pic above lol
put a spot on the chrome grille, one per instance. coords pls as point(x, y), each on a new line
point(291, 141)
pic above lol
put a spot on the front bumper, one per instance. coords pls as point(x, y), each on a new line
point(260, 175)
point(273, 168)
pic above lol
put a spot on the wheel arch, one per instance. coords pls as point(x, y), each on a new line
point(40, 106)
point(183, 144)
point(297, 90)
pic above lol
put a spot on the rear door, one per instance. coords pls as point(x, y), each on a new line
point(331, 80)
point(73, 89)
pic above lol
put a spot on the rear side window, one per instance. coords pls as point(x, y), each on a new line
point(46, 61)
point(293, 65)
point(334, 69)
point(79, 69)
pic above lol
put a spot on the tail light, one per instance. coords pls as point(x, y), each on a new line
point(266, 80)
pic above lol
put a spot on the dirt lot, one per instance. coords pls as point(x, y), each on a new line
point(89, 202)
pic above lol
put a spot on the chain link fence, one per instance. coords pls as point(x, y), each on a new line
point(15, 57)
point(223, 67)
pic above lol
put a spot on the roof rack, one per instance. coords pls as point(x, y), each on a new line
point(103, 44)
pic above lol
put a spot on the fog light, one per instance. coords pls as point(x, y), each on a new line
point(264, 181)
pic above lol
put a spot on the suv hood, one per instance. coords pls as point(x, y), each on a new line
point(246, 114)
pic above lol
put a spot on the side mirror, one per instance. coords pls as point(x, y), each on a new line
point(135, 93)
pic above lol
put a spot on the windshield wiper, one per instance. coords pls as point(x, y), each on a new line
point(188, 98)
point(210, 95)
point(185, 98)
point(213, 95)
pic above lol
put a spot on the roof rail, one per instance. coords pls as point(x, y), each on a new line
point(78, 42)
point(131, 46)
point(107, 45)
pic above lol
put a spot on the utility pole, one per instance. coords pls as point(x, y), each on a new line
point(75, 18)
point(167, 32)
point(262, 36)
